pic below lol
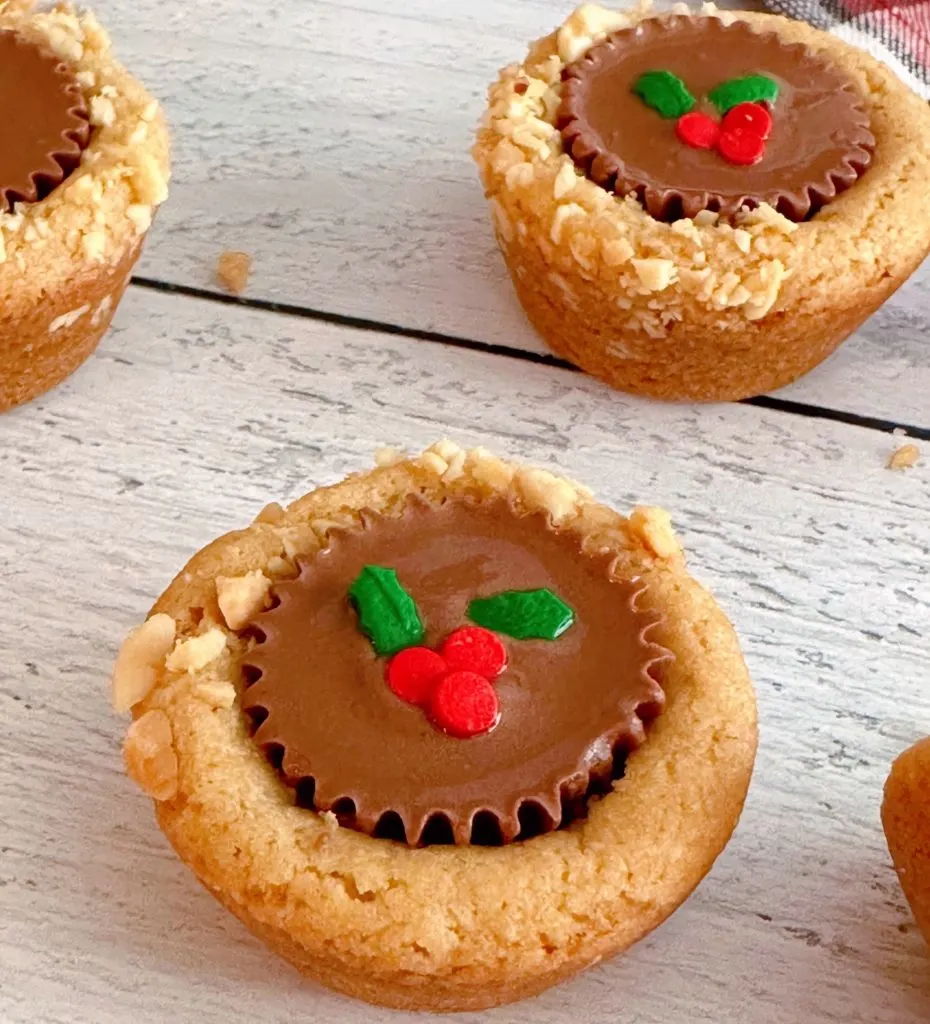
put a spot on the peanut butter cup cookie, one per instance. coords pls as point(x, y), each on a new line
point(703, 206)
point(443, 734)
point(906, 819)
point(83, 166)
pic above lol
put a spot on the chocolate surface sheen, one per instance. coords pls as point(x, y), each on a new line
point(44, 127)
point(570, 708)
point(819, 145)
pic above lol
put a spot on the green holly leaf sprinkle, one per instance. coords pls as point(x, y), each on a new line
point(387, 614)
point(750, 89)
point(523, 614)
point(664, 92)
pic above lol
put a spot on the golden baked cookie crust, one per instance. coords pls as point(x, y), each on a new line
point(906, 819)
point(66, 260)
point(439, 928)
point(697, 309)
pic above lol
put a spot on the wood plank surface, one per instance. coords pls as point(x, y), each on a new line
point(193, 415)
point(330, 140)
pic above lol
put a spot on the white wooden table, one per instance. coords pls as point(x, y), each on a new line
point(330, 140)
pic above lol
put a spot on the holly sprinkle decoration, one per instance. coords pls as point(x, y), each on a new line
point(523, 614)
point(750, 89)
point(386, 612)
point(664, 92)
point(453, 685)
point(744, 103)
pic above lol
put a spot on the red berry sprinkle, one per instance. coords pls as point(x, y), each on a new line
point(752, 118)
point(473, 649)
point(464, 704)
point(697, 130)
point(741, 147)
point(413, 673)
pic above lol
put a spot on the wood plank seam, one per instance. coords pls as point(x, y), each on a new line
point(437, 337)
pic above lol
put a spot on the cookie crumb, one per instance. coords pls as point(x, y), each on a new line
point(653, 526)
point(300, 541)
point(271, 514)
point(143, 652)
point(241, 598)
point(905, 457)
point(456, 467)
point(446, 449)
point(149, 756)
point(278, 567)
point(196, 653)
point(542, 491)
point(430, 460)
point(233, 269)
point(217, 693)
point(488, 470)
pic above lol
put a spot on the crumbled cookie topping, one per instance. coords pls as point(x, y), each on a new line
point(654, 527)
point(531, 489)
point(197, 652)
point(217, 693)
point(149, 755)
point(241, 598)
point(141, 657)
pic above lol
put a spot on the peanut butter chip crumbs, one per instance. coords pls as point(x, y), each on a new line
point(654, 527)
point(542, 491)
point(233, 269)
point(137, 664)
point(655, 275)
point(298, 541)
point(197, 652)
point(272, 514)
point(905, 457)
point(488, 470)
point(278, 567)
point(217, 693)
point(242, 597)
point(149, 756)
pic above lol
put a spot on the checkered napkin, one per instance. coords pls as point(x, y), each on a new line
point(895, 31)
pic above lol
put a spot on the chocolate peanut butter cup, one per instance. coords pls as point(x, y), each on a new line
point(689, 150)
point(45, 125)
point(574, 679)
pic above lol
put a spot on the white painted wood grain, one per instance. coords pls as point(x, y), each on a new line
point(193, 415)
point(331, 141)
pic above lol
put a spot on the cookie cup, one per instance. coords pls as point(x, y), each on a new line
point(697, 309)
point(440, 928)
point(66, 260)
point(906, 820)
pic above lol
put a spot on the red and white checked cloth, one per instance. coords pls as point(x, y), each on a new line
point(895, 31)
